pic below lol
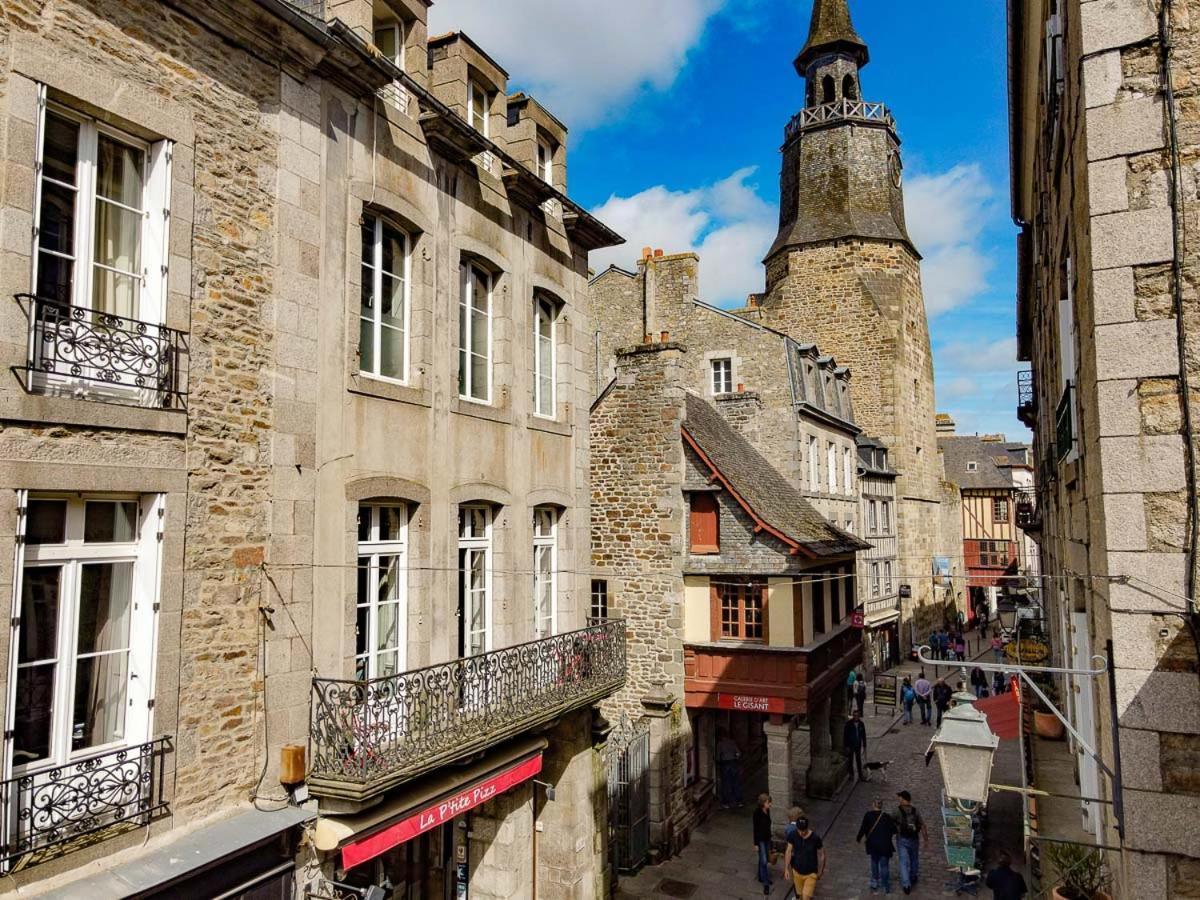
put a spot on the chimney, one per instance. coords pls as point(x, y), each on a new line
point(945, 425)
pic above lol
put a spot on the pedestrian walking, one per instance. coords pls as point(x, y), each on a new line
point(804, 859)
point(854, 741)
point(907, 698)
point(911, 831)
point(997, 646)
point(999, 684)
point(728, 758)
point(943, 644)
point(933, 643)
point(960, 647)
point(924, 692)
point(795, 814)
point(941, 698)
point(762, 840)
point(1004, 882)
point(979, 681)
point(851, 678)
point(879, 830)
point(860, 693)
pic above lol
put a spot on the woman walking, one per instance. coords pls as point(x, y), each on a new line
point(997, 647)
point(762, 840)
point(907, 698)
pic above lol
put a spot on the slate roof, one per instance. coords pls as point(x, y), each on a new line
point(831, 28)
point(769, 495)
point(961, 449)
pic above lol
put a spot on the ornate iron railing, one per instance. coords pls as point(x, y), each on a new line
point(367, 736)
point(115, 790)
point(839, 111)
point(101, 356)
point(1026, 398)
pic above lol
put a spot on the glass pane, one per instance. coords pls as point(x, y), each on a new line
point(34, 713)
point(462, 373)
point(115, 294)
point(479, 521)
point(105, 599)
point(479, 333)
point(101, 685)
point(105, 522)
point(391, 523)
point(366, 345)
point(368, 241)
point(360, 669)
point(364, 523)
point(542, 564)
point(119, 172)
point(386, 665)
point(391, 304)
point(464, 316)
point(478, 577)
point(479, 293)
point(361, 634)
point(385, 40)
point(56, 278)
point(389, 579)
point(46, 522)
point(366, 296)
point(60, 149)
point(393, 252)
point(56, 225)
point(387, 627)
point(118, 237)
point(479, 377)
point(546, 358)
point(39, 613)
point(391, 352)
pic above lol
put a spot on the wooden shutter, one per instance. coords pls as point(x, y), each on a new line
point(704, 528)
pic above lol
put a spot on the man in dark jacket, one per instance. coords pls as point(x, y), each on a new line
point(854, 740)
point(941, 698)
point(880, 831)
point(1004, 882)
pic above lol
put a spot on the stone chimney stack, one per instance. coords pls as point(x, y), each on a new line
point(672, 282)
point(945, 425)
point(743, 411)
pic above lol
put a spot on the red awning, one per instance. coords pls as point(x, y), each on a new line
point(438, 813)
point(1003, 713)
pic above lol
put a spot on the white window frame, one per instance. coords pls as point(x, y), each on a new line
point(885, 516)
point(814, 464)
point(377, 274)
point(471, 544)
point(875, 579)
point(545, 161)
point(479, 105)
point(545, 542)
point(848, 470)
point(472, 276)
point(721, 370)
point(972, 466)
point(371, 551)
point(599, 598)
point(872, 517)
point(545, 388)
point(831, 466)
point(1001, 503)
point(397, 28)
point(887, 575)
point(71, 555)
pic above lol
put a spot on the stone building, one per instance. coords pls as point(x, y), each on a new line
point(294, 453)
point(1104, 147)
point(736, 592)
point(879, 570)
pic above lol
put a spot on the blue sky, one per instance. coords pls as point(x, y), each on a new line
point(676, 111)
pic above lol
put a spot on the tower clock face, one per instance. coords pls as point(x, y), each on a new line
point(895, 167)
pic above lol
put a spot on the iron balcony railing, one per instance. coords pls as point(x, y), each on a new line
point(1026, 398)
point(839, 111)
point(81, 802)
point(75, 351)
point(368, 736)
point(1064, 424)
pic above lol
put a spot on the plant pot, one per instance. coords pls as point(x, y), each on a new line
point(1047, 725)
point(1099, 895)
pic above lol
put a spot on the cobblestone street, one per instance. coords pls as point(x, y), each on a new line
point(720, 862)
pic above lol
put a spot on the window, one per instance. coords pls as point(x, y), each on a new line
point(818, 602)
point(545, 315)
point(885, 515)
point(872, 517)
point(850, 526)
point(847, 470)
point(474, 579)
point(814, 465)
point(722, 376)
point(545, 161)
point(849, 88)
point(741, 611)
point(1000, 509)
point(380, 624)
point(599, 600)
point(993, 554)
point(389, 40)
point(831, 467)
point(545, 550)
point(383, 308)
point(475, 335)
point(478, 107)
point(101, 223)
point(827, 89)
point(887, 576)
point(88, 588)
point(705, 523)
point(875, 584)
point(972, 466)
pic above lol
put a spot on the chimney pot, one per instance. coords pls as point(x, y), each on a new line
point(741, 388)
point(646, 251)
point(657, 253)
point(665, 336)
point(647, 338)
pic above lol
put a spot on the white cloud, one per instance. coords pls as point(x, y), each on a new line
point(955, 388)
point(578, 57)
point(946, 215)
point(998, 356)
point(727, 223)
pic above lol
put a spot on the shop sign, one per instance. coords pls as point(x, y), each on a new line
point(885, 691)
point(905, 591)
point(1027, 650)
point(439, 813)
point(856, 619)
point(745, 703)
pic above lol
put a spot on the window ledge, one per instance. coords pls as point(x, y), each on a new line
point(46, 409)
point(481, 411)
point(550, 426)
point(704, 550)
point(366, 386)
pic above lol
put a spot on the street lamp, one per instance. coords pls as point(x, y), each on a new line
point(965, 746)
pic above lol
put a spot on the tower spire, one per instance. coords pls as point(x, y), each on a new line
point(831, 31)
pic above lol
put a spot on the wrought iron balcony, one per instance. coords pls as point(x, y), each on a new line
point(368, 736)
point(1029, 514)
point(839, 111)
point(82, 802)
point(79, 352)
point(1026, 399)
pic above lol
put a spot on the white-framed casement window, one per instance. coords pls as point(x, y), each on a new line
point(383, 306)
point(82, 678)
point(389, 39)
point(545, 577)
point(847, 470)
point(875, 579)
point(722, 375)
point(381, 610)
point(599, 601)
point(101, 216)
point(814, 464)
point(831, 466)
point(545, 161)
point(478, 103)
point(474, 579)
point(872, 517)
point(1000, 510)
point(885, 516)
point(545, 355)
point(887, 575)
point(475, 335)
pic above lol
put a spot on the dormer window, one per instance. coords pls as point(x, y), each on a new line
point(972, 467)
point(478, 107)
point(389, 39)
point(545, 161)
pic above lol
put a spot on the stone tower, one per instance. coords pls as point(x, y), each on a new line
point(843, 272)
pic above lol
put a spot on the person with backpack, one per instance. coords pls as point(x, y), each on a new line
point(804, 859)
point(911, 831)
point(907, 698)
point(880, 831)
point(762, 840)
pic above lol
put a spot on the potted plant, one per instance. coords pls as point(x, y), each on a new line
point(1080, 870)
point(1045, 723)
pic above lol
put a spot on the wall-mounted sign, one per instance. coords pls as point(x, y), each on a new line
point(856, 619)
point(905, 591)
point(745, 703)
